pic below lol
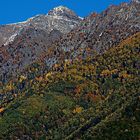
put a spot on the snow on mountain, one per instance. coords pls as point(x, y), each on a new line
point(25, 42)
point(60, 18)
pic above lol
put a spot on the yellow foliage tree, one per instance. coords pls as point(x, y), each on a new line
point(49, 74)
point(1, 110)
point(22, 77)
point(124, 75)
point(105, 73)
point(39, 78)
point(9, 87)
point(78, 109)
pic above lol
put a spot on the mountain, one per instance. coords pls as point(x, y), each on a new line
point(72, 82)
point(26, 41)
point(95, 98)
point(98, 32)
point(95, 33)
point(137, 1)
point(60, 18)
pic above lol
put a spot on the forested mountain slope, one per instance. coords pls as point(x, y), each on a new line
point(63, 77)
point(97, 32)
point(93, 98)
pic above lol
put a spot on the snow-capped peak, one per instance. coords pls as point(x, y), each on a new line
point(62, 11)
point(60, 18)
point(61, 8)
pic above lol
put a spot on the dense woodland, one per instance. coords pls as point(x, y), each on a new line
point(96, 97)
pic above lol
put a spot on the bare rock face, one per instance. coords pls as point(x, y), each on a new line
point(137, 1)
point(60, 18)
point(25, 42)
point(7, 33)
point(97, 33)
point(64, 12)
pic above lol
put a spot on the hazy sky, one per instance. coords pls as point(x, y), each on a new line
point(19, 10)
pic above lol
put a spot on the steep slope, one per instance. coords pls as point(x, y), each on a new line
point(60, 18)
point(98, 32)
point(78, 100)
point(25, 42)
point(85, 85)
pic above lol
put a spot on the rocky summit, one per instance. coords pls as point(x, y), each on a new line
point(59, 18)
point(31, 38)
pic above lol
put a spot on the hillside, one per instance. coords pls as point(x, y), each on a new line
point(23, 43)
point(72, 78)
point(92, 98)
point(78, 38)
point(97, 32)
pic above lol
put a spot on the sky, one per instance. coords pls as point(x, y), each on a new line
point(12, 11)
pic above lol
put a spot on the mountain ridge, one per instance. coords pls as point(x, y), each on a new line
point(97, 32)
point(84, 99)
point(83, 84)
point(40, 31)
point(43, 21)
